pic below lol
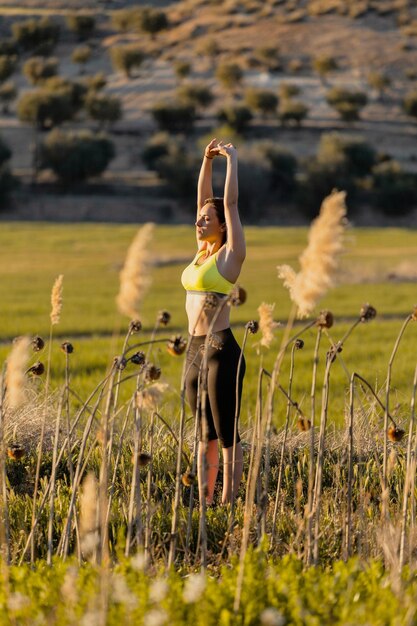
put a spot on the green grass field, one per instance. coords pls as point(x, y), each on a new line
point(91, 256)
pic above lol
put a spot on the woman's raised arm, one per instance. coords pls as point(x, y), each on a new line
point(235, 236)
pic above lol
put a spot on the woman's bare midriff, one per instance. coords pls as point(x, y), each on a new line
point(200, 318)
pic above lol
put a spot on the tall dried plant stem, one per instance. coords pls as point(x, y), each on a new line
point(387, 392)
point(282, 452)
point(40, 448)
point(135, 501)
point(348, 529)
point(253, 476)
point(311, 460)
point(191, 503)
point(148, 511)
point(52, 481)
point(409, 475)
point(4, 509)
point(236, 417)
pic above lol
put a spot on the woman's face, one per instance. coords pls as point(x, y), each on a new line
point(208, 226)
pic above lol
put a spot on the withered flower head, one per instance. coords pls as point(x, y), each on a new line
point(37, 344)
point(237, 296)
point(67, 347)
point(152, 372)
point(395, 433)
point(138, 358)
point(367, 313)
point(215, 342)
point(120, 362)
point(303, 424)
point(176, 345)
point(143, 459)
point(299, 344)
point(211, 301)
point(253, 326)
point(37, 369)
point(135, 326)
point(332, 353)
point(414, 313)
point(15, 451)
point(188, 478)
point(164, 318)
point(325, 319)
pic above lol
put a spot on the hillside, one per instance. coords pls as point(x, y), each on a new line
point(363, 38)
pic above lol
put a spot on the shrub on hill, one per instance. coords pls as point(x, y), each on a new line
point(80, 56)
point(175, 117)
point(155, 148)
point(197, 95)
point(95, 82)
point(229, 75)
point(124, 20)
point(74, 91)
point(8, 65)
point(8, 93)
point(347, 103)
point(182, 69)
point(283, 167)
point(236, 116)
point(351, 155)
point(379, 81)
point(8, 47)
point(126, 58)
point(44, 109)
point(323, 65)
point(208, 48)
point(82, 24)
point(174, 163)
point(106, 110)
point(75, 157)
point(38, 69)
point(7, 180)
point(410, 104)
point(152, 21)
point(395, 191)
point(262, 101)
point(292, 111)
point(268, 58)
point(288, 90)
point(38, 36)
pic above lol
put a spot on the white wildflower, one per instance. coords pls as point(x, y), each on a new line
point(121, 592)
point(155, 617)
point(139, 562)
point(158, 590)
point(194, 588)
point(17, 601)
point(272, 617)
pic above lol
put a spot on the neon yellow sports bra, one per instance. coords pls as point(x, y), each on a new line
point(206, 277)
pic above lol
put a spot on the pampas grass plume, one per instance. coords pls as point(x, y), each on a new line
point(266, 323)
point(88, 514)
point(56, 300)
point(16, 381)
point(318, 262)
point(135, 276)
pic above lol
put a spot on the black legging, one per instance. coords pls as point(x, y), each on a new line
point(221, 383)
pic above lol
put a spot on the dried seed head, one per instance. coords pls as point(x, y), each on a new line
point(16, 451)
point(164, 318)
point(188, 479)
point(266, 323)
point(211, 301)
point(144, 459)
point(38, 344)
point(138, 358)
point(367, 313)
point(135, 326)
point(237, 296)
point(16, 381)
point(67, 347)
point(152, 372)
point(333, 352)
point(252, 326)
point(176, 345)
point(56, 300)
point(215, 342)
point(325, 319)
point(395, 433)
point(120, 362)
point(414, 313)
point(303, 424)
point(89, 536)
point(151, 396)
point(37, 369)
point(299, 344)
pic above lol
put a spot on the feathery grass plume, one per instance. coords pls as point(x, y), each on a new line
point(266, 323)
point(88, 515)
point(16, 380)
point(318, 262)
point(150, 397)
point(56, 300)
point(135, 276)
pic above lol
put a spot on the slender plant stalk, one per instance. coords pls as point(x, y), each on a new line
point(52, 481)
point(348, 530)
point(236, 417)
point(309, 541)
point(135, 502)
point(191, 504)
point(408, 474)
point(4, 509)
point(282, 452)
point(387, 392)
point(148, 512)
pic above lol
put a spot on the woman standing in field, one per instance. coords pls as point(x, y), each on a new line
point(214, 270)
